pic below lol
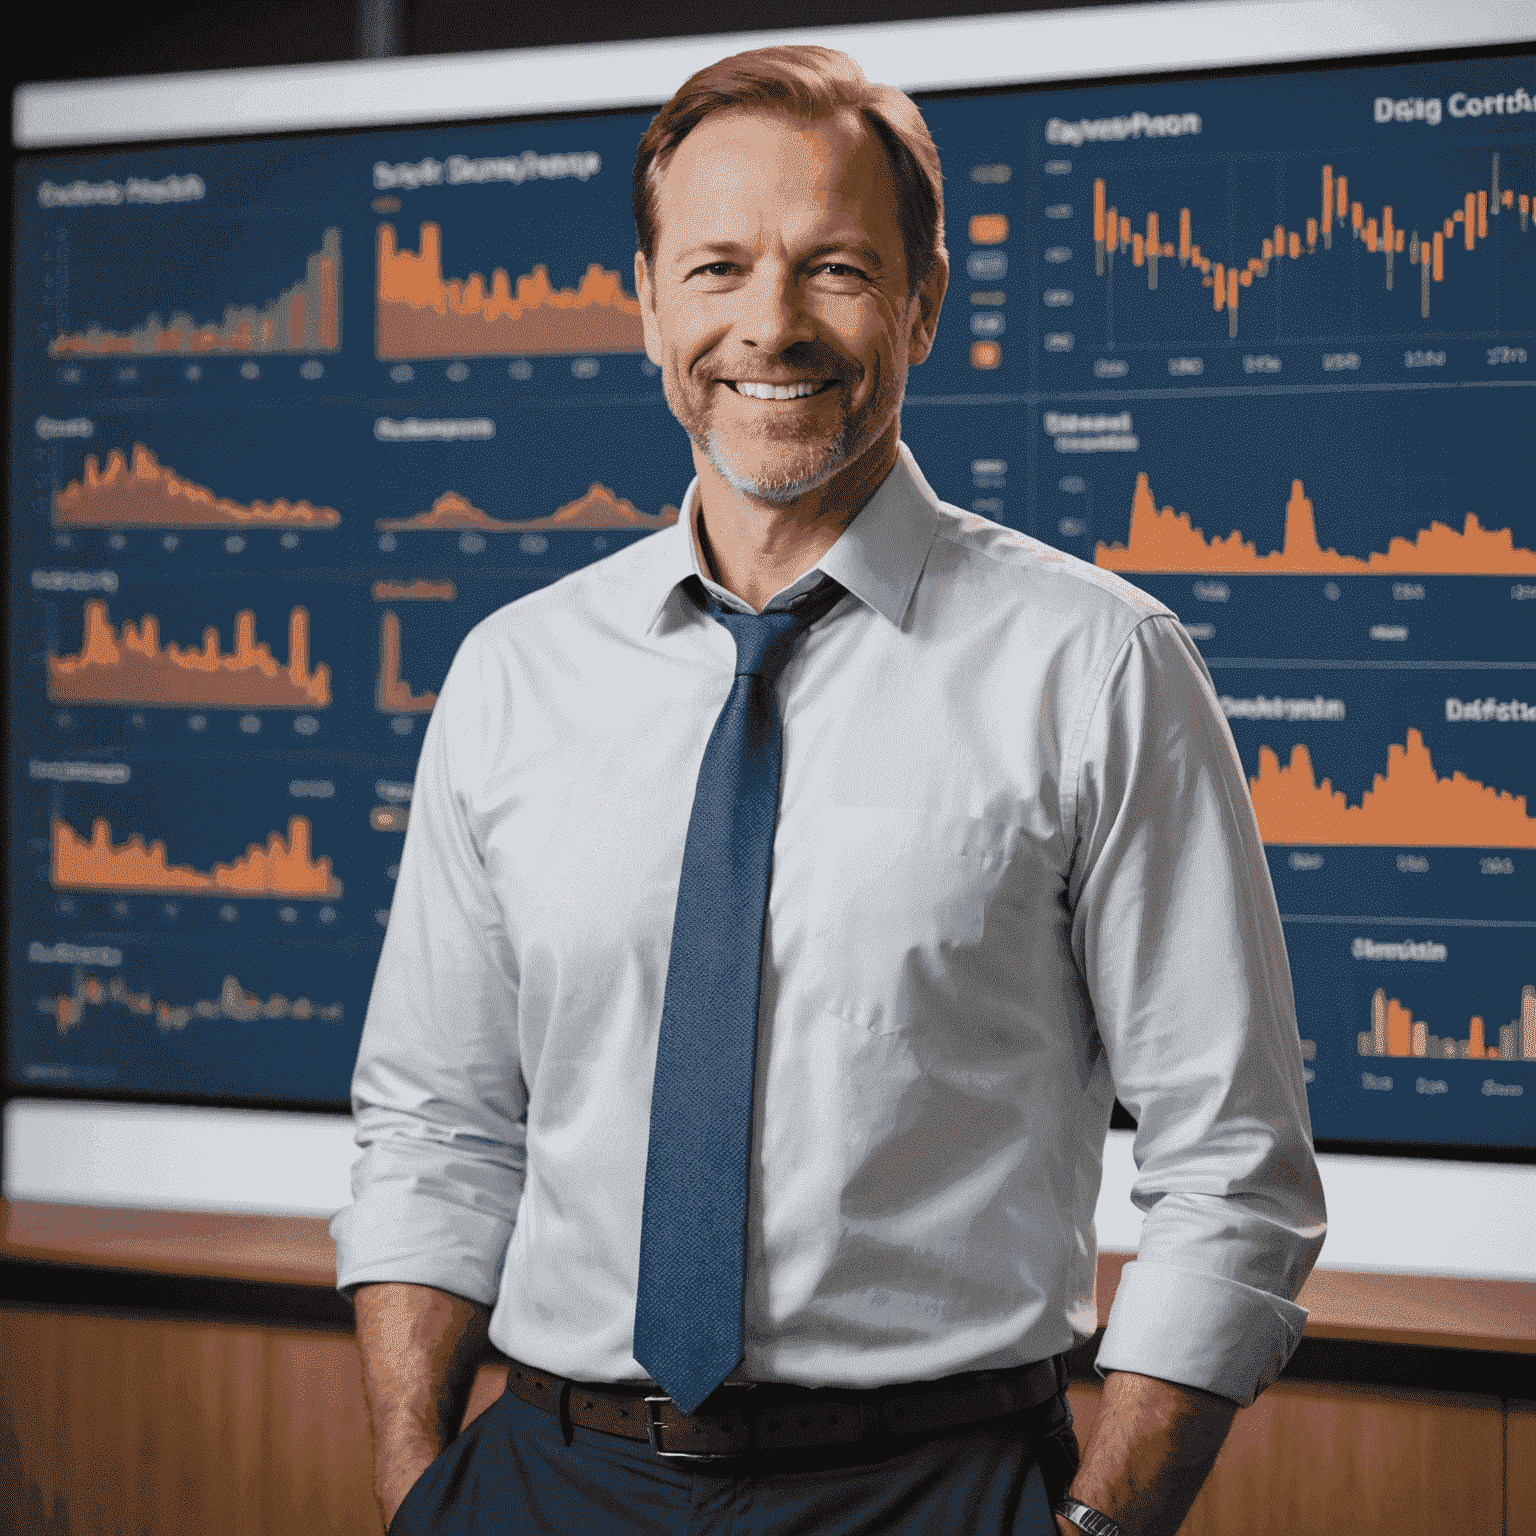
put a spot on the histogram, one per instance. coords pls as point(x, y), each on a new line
point(420, 314)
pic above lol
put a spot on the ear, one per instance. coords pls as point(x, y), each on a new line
point(645, 291)
point(929, 301)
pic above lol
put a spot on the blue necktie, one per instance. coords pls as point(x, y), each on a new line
point(694, 1227)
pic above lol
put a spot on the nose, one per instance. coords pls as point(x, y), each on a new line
point(773, 315)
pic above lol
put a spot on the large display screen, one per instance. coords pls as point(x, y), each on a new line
point(290, 415)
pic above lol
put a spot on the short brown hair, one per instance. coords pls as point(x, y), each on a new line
point(811, 83)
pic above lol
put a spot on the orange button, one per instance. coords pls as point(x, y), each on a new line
point(988, 228)
point(986, 354)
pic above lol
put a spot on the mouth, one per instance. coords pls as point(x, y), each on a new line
point(801, 389)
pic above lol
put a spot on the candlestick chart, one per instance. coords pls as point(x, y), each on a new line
point(1450, 237)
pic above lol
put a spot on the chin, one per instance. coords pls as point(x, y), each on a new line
point(782, 483)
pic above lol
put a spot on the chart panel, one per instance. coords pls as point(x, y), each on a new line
point(1417, 1033)
point(544, 489)
point(240, 1021)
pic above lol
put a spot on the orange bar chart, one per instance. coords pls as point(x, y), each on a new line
point(1395, 1032)
point(306, 318)
point(422, 314)
point(284, 867)
point(393, 694)
point(130, 666)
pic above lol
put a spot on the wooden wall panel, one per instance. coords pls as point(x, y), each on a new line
point(1313, 1458)
point(171, 1426)
point(1520, 1468)
point(166, 1426)
point(1309, 1459)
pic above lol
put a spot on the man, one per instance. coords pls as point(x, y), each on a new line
point(1013, 871)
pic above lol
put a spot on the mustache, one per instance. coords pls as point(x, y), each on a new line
point(815, 363)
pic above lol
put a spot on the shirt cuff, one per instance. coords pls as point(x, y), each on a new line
point(390, 1235)
point(1200, 1330)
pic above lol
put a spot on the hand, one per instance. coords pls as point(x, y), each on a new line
point(396, 1479)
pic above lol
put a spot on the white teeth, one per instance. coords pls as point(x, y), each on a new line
point(776, 391)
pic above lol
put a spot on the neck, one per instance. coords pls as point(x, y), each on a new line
point(755, 548)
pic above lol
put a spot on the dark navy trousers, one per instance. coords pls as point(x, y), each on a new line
point(511, 1472)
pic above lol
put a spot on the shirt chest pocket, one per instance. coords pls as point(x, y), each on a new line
point(905, 912)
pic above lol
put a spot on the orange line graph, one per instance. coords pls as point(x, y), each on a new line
point(393, 694)
point(420, 314)
point(233, 1002)
point(1382, 235)
point(283, 868)
point(1168, 541)
point(130, 667)
point(145, 494)
point(306, 318)
point(1395, 1032)
point(1409, 805)
point(600, 509)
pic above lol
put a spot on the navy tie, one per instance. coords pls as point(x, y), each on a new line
point(694, 1228)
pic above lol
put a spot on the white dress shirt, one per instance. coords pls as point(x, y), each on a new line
point(1016, 871)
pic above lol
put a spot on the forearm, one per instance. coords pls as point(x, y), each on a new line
point(420, 1348)
point(1152, 1446)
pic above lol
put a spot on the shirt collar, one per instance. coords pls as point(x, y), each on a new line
point(878, 557)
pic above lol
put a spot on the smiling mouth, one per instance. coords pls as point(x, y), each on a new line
point(797, 391)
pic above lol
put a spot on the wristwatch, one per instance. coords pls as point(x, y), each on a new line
point(1087, 1519)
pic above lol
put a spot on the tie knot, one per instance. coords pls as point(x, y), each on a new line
point(766, 641)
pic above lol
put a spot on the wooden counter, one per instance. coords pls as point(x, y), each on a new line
point(194, 1372)
point(1424, 1311)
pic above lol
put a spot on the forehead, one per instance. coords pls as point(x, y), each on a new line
point(742, 173)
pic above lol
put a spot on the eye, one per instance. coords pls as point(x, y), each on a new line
point(841, 274)
point(714, 269)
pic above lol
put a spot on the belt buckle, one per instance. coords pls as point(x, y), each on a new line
point(653, 1427)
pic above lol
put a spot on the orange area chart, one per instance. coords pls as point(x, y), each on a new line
point(1395, 1032)
point(599, 510)
point(1167, 541)
point(305, 318)
point(145, 494)
point(283, 868)
point(233, 1003)
point(393, 695)
point(420, 314)
point(1381, 234)
point(131, 667)
point(1409, 806)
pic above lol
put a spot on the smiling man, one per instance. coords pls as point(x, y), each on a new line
point(785, 900)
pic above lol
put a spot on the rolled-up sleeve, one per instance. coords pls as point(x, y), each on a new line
point(1178, 937)
point(437, 1095)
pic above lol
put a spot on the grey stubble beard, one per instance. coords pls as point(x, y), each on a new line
point(779, 491)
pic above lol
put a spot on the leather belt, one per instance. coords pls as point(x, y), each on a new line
point(746, 1419)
